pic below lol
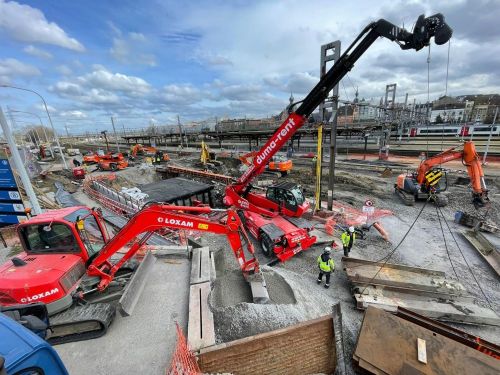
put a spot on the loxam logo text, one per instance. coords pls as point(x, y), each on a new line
point(269, 150)
point(179, 222)
point(39, 296)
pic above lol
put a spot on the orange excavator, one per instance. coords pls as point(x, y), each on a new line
point(278, 163)
point(113, 163)
point(145, 150)
point(425, 181)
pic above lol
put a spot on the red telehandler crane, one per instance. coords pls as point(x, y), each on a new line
point(70, 265)
point(275, 218)
point(425, 181)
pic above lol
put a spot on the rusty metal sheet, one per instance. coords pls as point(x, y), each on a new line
point(387, 344)
point(361, 271)
point(485, 248)
point(460, 310)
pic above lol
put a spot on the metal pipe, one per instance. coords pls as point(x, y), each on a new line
point(489, 137)
point(19, 165)
point(48, 115)
point(114, 131)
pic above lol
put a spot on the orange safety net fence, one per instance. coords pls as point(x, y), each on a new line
point(346, 215)
point(183, 360)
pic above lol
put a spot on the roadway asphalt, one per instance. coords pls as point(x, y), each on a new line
point(142, 343)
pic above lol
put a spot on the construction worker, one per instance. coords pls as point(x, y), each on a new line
point(326, 266)
point(348, 237)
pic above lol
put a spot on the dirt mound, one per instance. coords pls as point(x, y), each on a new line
point(231, 289)
point(296, 299)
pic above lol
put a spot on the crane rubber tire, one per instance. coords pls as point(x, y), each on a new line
point(267, 245)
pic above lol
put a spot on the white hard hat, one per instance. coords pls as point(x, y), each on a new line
point(328, 249)
point(351, 229)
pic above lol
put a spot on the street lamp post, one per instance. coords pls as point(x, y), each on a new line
point(48, 115)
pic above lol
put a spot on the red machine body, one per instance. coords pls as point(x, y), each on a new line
point(79, 173)
point(291, 205)
point(59, 251)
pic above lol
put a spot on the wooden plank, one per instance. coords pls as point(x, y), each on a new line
point(457, 310)
point(388, 344)
point(200, 265)
point(485, 248)
point(201, 331)
point(361, 271)
point(421, 350)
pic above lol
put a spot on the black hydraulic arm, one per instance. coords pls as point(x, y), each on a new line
point(424, 30)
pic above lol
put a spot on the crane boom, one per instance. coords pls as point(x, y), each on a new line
point(238, 194)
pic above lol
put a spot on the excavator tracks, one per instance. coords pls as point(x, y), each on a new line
point(408, 200)
point(81, 323)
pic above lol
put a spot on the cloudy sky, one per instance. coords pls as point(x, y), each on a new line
point(144, 61)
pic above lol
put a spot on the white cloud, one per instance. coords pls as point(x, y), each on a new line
point(131, 48)
point(298, 83)
point(64, 70)
point(106, 80)
point(32, 50)
point(41, 107)
point(180, 94)
point(10, 68)
point(27, 24)
point(74, 114)
point(102, 87)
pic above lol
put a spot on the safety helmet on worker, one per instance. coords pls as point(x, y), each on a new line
point(351, 229)
point(328, 250)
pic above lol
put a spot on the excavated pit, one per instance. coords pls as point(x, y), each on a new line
point(231, 289)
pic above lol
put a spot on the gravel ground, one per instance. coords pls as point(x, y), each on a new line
point(424, 246)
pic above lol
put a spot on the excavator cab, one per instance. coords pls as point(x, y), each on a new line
point(436, 180)
point(78, 232)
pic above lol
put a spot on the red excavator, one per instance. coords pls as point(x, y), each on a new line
point(69, 263)
point(275, 218)
point(426, 180)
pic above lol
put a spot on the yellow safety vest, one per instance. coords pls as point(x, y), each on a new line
point(345, 238)
point(328, 266)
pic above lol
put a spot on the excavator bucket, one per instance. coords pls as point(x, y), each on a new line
point(259, 288)
point(135, 286)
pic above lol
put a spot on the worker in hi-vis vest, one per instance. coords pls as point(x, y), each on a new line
point(326, 266)
point(348, 237)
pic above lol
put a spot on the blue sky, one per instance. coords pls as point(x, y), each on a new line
point(149, 61)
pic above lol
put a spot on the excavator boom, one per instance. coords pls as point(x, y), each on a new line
point(158, 216)
point(419, 184)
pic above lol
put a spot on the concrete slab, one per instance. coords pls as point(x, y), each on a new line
point(323, 238)
point(143, 342)
point(485, 248)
